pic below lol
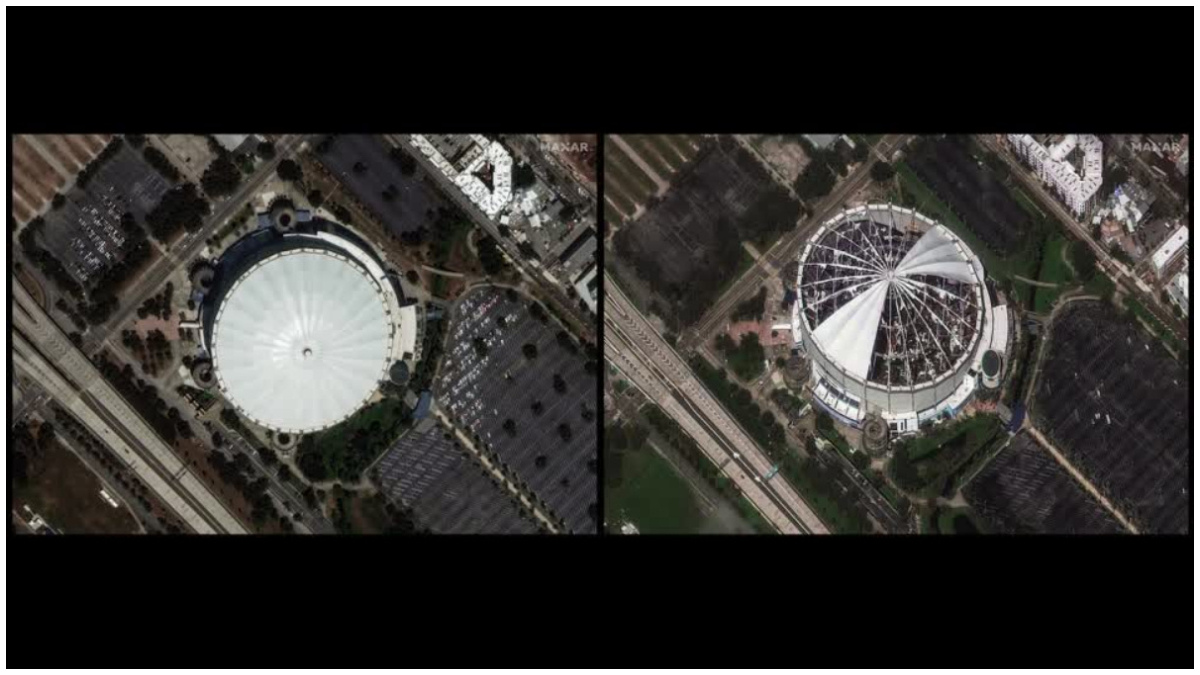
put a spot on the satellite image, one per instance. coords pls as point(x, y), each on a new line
point(304, 334)
point(896, 334)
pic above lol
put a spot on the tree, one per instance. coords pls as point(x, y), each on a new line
point(816, 180)
point(316, 198)
point(359, 168)
point(511, 295)
point(510, 427)
point(564, 432)
point(413, 277)
point(221, 177)
point(408, 165)
point(290, 171)
point(58, 201)
point(861, 152)
point(523, 176)
point(1083, 259)
point(541, 461)
point(266, 150)
point(560, 385)
point(537, 407)
point(882, 172)
point(530, 351)
point(481, 347)
point(825, 422)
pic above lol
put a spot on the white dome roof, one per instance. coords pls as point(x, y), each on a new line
point(302, 340)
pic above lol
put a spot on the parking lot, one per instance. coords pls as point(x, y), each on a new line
point(416, 201)
point(973, 192)
point(553, 446)
point(1023, 490)
point(448, 491)
point(1119, 407)
point(85, 233)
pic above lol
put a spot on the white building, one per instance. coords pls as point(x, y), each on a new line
point(1075, 186)
point(1169, 250)
point(894, 316)
point(1178, 290)
point(490, 155)
point(586, 287)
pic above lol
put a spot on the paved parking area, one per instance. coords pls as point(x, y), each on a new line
point(447, 490)
point(482, 393)
point(85, 234)
point(416, 201)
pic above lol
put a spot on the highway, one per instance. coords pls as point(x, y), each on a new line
point(787, 248)
point(634, 347)
point(43, 352)
point(148, 283)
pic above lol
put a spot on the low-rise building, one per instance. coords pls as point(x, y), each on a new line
point(1170, 250)
point(1073, 166)
point(1178, 291)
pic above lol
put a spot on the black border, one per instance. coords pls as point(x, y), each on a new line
point(838, 601)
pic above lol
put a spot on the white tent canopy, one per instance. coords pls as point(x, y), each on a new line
point(302, 340)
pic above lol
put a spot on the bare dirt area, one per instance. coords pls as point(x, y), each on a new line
point(784, 153)
point(67, 495)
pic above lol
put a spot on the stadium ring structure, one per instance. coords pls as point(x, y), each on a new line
point(302, 323)
point(894, 313)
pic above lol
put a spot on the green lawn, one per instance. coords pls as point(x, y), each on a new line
point(753, 517)
point(1054, 271)
point(958, 521)
point(652, 496)
point(747, 359)
point(935, 462)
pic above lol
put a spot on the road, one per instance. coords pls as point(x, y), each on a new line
point(554, 295)
point(787, 248)
point(1107, 263)
point(633, 346)
point(42, 351)
point(149, 281)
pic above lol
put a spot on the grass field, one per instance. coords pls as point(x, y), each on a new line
point(935, 462)
point(652, 496)
point(957, 521)
point(1054, 271)
point(753, 517)
point(67, 494)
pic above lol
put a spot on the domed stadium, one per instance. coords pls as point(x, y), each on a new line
point(894, 313)
point(302, 323)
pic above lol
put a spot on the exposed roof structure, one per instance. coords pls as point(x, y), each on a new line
point(302, 339)
point(894, 305)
